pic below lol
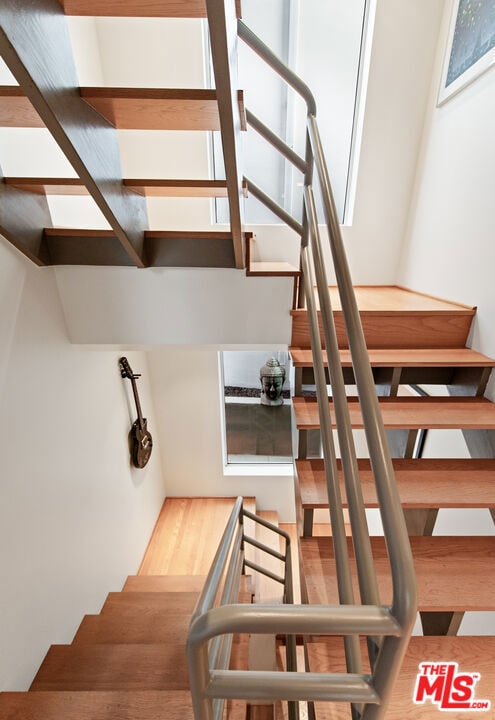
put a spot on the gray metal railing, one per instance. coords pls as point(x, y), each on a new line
point(217, 617)
point(387, 629)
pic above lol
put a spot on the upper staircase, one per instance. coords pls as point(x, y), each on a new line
point(84, 121)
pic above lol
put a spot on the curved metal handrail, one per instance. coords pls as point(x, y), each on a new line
point(387, 628)
point(404, 603)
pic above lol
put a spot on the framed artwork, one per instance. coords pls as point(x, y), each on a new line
point(470, 46)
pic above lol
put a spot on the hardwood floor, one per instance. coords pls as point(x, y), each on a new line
point(186, 535)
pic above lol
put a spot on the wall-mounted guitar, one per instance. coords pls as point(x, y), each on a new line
point(141, 442)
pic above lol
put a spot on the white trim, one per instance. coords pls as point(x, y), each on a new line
point(359, 111)
point(259, 469)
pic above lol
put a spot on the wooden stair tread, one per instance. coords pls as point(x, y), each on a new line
point(97, 705)
point(422, 483)
point(180, 188)
point(134, 626)
point(173, 602)
point(16, 110)
point(179, 583)
point(409, 413)
point(113, 667)
point(272, 269)
point(158, 108)
point(164, 583)
point(138, 8)
point(453, 573)
point(394, 329)
point(147, 187)
point(472, 653)
point(401, 357)
point(129, 108)
point(256, 268)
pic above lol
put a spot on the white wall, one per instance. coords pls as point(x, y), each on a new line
point(186, 387)
point(450, 250)
point(167, 306)
point(404, 44)
point(75, 518)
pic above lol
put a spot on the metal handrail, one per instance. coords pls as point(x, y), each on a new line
point(385, 656)
point(216, 616)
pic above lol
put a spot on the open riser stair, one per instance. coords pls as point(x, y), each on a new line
point(85, 124)
point(454, 573)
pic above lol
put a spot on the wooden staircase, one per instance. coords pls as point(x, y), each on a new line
point(84, 121)
point(454, 573)
point(129, 661)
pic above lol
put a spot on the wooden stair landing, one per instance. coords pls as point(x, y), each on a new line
point(186, 535)
point(453, 573)
point(473, 654)
point(475, 413)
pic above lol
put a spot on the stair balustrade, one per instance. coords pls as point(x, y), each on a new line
point(386, 628)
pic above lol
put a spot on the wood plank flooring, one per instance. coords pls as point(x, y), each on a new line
point(186, 535)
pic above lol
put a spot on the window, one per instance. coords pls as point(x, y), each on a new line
point(322, 42)
point(255, 432)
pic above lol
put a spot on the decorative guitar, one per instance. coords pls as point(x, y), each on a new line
point(141, 442)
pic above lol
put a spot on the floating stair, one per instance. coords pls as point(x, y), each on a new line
point(423, 483)
point(129, 108)
point(149, 187)
point(475, 413)
point(411, 366)
point(257, 268)
point(82, 123)
point(454, 574)
point(412, 340)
